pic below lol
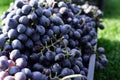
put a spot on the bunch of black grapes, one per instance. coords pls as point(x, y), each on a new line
point(39, 41)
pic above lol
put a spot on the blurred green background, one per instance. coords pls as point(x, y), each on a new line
point(108, 38)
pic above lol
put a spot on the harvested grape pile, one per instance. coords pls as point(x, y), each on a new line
point(41, 41)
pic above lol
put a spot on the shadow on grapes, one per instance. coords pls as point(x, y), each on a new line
point(111, 71)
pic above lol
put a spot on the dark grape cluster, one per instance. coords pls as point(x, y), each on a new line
point(41, 41)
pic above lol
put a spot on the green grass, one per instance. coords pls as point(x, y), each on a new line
point(108, 38)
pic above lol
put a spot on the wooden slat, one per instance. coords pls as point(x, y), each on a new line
point(91, 68)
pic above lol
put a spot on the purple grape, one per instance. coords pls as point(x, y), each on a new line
point(9, 78)
point(56, 29)
point(29, 44)
point(101, 50)
point(20, 76)
point(37, 75)
point(16, 44)
point(21, 62)
point(24, 20)
point(76, 69)
point(12, 23)
point(77, 35)
point(56, 20)
point(39, 11)
point(7, 47)
point(29, 31)
point(14, 54)
point(50, 55)
point(3, 74)
point(40, 29)
point(59, 57)
point(47, 13)
point(22, 37)
point(13, 70)
point(63, 11)
point(21, 28)
point(66, 63)
point(16, 17)
point(26, 9)
point(19, 12)
point(56, 68)
point(33, 3)
point(65, 29)
point(50, 32)
point(75, 53)
point(19, 4)
point(44, 21)
point(12, 33)
point(27, 72)
point(62, 4)
point(3, 65)
point(66, 72)
point(38, 67)
point(35, 37)
point(32, 16)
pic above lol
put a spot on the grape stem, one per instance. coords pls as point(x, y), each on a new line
point(73, 76)
point(48, 46)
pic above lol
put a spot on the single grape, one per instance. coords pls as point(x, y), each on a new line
point(21, 62)
point(39, 11)
point(44, 21)
point(21, 28)
point(3, 74)
point(16, 44)
point(15, 54)
point(56, 68)
point(59, 57)
point(56, 20)
point(20, 76)
point(47, 12)
point(22, 37)
point(12, 23)
point(3, 65)
point(29, 44)
point(13, 70)
point(26, 9)
point(40, 29)
point(9, 78)
point(38, 67)
point(12, 33)
point(24, 20)
point(19, 4)
point(27, 72)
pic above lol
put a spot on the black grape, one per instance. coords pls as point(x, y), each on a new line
point(16, 44)
point(12, 33)
point(3, 65)
point(26, 9)
point(20, 76)
point(13, 70)
point(19, 4)
point(14, 54)
point(40, 29)
point(24, 20)
point(22, 37)
point(21, 28)
point(12, 23)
